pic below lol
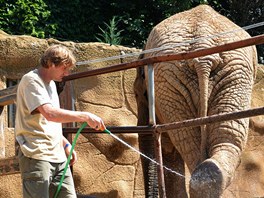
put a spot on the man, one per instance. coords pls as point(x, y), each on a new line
point(38, 127)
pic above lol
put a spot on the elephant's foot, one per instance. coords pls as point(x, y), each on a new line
point(207, 180)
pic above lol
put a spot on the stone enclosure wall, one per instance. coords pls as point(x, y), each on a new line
point(105, 167)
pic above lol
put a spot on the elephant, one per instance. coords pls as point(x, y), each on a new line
point(204, 86)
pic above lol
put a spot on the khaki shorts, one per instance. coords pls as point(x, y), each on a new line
point(41, 179)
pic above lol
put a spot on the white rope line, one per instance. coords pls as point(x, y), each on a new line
point(169, 46)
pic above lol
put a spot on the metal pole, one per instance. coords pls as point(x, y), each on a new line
point(211, 119)
point(151, 95)
point(157, 135)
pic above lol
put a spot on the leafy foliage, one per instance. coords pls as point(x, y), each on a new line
point(82, 20)
point(25, 17)
point(76, 19)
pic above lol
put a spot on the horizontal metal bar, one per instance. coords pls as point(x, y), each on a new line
point(114, 129)
point(176, 125)
point(8, 95)
point(169, 57)
point(8, 91)
point(211, 119)
point(7, 100)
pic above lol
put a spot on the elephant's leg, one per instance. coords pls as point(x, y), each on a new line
point(146, 145)
point(175, 185)
point(177, 95)
point(212, 176)
point(226, 140)
point(174, 102)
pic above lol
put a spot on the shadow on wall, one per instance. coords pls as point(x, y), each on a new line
point(111, 194)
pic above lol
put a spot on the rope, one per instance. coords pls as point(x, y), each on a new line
point(169, 46)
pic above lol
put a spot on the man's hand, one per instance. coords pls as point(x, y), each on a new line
point(74, 155)
point(95, 122)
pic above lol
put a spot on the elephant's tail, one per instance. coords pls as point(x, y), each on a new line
point(203, 69)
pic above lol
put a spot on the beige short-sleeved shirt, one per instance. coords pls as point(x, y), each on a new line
point(38, 138)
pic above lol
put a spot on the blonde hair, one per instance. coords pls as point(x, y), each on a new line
point(57, 54)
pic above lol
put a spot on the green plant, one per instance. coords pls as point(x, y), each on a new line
point(25, 17)
point(110, 34)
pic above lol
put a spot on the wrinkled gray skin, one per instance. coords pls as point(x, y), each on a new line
point(209, 85)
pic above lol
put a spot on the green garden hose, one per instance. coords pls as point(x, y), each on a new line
point(69, 157)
